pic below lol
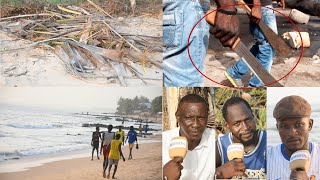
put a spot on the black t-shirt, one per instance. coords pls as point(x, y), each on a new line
point(263, 2)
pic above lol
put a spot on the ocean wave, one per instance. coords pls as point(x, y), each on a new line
point(35, 126)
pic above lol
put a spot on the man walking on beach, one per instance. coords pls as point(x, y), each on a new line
point(242, 125)
point(121, 135)
point(132, 135)
point(114, 155)
point(107, 137)
point(293, 116)
point(95, 142)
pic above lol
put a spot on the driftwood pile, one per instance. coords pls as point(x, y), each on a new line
point(87, 42)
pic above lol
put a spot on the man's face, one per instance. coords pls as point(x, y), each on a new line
point(294, 131)
point(192, 118)
point(241, 122)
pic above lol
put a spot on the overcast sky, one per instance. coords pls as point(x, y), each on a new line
point(311, 94)
point(73, 98)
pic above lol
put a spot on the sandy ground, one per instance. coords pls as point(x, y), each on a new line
point(306, 73)
point(146, 164)
point(41, 66)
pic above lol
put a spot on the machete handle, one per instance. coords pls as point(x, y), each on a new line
point(244, 6)
point(211, 17)
point(235, 44)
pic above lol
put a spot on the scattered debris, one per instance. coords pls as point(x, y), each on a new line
point(88, 43)
point(290, 60)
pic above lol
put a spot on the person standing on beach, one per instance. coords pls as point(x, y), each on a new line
point(114, 155)
point(107, 137)
point(121, 135)
point(140, 130)
point(146, 129)
point(132, 135)
point(95, 142)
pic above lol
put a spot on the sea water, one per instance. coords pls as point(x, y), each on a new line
point(25, 133)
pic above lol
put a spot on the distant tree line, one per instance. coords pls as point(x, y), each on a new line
point(139, 104)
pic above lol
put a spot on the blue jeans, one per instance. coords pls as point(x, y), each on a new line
point(179, 17)
point(262, 50)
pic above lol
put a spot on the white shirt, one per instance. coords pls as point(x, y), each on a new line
point(108, 137)
point(278, 164)
point(198, 163)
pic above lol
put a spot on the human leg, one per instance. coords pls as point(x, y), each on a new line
point(110, 166)
point(92, 153)
point(262, 49)
point(114, 170)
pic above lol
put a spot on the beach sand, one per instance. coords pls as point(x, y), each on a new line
point(146, 164)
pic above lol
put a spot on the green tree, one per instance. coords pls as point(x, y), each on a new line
point(156, 105)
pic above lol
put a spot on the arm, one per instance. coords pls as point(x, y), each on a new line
point(218, 157)
point(256, 13)
point(135, 137)
point(127, 137)
point(92, 139)
point(101, 143)
point(226, 27)
point(121, 152)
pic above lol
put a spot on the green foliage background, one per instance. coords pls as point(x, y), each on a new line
point(257, 103)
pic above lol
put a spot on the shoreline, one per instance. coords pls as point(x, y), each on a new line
point(28, 162)
point(147, 157)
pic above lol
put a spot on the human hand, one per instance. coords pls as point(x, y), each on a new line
point(172, 170)
point(256, 14)
point(226, 29)
point(282, 3)
point(298, 175)
point(232, 168)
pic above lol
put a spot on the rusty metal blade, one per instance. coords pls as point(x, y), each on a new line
point(275, 41)
point(264, 76)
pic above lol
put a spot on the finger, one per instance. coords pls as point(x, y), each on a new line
point(240, 167)
point(177, 159)
point(238, 160)
point(226, 38)
point(180, 167)
point(239, 173)
point(218, 33)
point(231, 42)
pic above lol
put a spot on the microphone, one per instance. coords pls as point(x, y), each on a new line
point(300, 160)
point(235, 151)
point(178, 147)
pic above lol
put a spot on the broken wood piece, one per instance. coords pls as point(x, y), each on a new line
point(120, 72)
point(26, 15)
point(100, 9)
point(68, 10)
point(76, 8)
point(113, 55)
point(86, 32)
point(96, 61)
point(135, 48)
